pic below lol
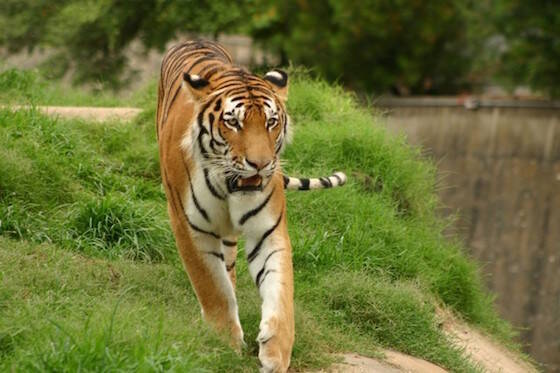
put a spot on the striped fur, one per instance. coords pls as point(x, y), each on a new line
point(221, 131)
point(295, 183)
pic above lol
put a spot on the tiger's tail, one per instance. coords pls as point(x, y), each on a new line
point(295, 183)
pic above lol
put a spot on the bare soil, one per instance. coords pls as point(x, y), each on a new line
point(482, 350)
point(97, 114)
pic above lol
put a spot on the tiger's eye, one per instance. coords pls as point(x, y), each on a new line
point(233, 122)
point(271, 122)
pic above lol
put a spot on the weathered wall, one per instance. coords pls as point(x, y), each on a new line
point(500, 168)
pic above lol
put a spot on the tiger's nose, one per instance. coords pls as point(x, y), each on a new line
point(258, 164)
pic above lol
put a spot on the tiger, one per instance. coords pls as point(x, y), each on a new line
point(220, 131)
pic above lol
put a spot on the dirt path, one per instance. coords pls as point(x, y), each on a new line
point(480, 349)
point(394, 362)
point(96, 114)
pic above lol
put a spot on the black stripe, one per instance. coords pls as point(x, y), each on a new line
point(257, 97)
point(265, 274)
point(202, 131)
point(236, 91)
point(213, 144)
point(218, 104)
point(249, 214)
point(253, 254)
point(207, 57)
point(217, 255)
point(173, 202)
point(258, 278)
point(195, 200)
point(172, 100)
point(285, 121)
point(203, 150)
point(286, 181)
point(233, 83)
point(220, 128)
point(218, 142)
point(264, 266)
point(229, 243)
point(230, 267)
point(325, 182)
point(338, 178)
point(200, 117)
point(304, 184)
point(211, 72)
point(211, 187)
point(272, 253)
point(194, 227)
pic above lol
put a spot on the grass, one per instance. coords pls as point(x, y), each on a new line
point(31, 87)
point(90, 279)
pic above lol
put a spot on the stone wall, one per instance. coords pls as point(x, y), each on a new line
point(500, 169)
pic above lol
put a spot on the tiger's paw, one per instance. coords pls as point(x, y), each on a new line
point(228, 329)
point(275, 346)
point(236, 340)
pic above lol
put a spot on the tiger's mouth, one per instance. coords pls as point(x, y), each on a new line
point(249, 184)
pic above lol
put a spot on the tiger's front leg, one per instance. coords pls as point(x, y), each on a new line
point(206, 259)
point(269, 255)
point(270, 264)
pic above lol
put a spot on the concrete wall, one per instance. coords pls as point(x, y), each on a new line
point(500, 168)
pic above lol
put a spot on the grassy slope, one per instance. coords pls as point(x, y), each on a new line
point(30, 87)
point(89, 272)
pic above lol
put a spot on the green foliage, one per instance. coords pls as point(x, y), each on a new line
point(403, 46)
point(374, 45)
point(90, 37)
point(531, 32)
point(87, 259)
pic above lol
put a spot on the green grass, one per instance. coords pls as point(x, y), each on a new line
point(90, 278)
point(31, 87)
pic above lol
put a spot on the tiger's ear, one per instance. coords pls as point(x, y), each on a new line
point(279, 82)
point(197, 86)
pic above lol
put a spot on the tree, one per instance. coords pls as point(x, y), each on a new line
point(405, 46)
point(91, 36)
point(373, 45)
point(531, 53)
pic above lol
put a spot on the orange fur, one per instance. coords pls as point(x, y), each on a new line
point(211, 80)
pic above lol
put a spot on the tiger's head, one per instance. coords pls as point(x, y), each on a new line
point(241, 126)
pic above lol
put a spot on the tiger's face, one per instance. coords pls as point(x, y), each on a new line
point(243, 127)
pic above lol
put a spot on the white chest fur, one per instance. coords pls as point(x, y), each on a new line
point(211, 209)
point(207, 204)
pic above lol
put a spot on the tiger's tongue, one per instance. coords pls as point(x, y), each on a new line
point(250, 181)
